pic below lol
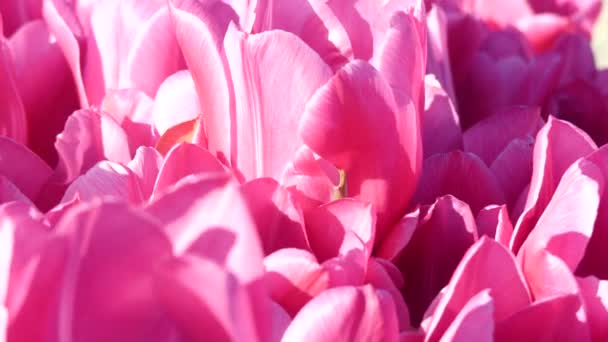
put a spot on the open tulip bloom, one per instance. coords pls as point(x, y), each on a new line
point(302, 170)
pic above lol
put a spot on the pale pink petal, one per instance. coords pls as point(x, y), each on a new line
point(105, 180)
point(352, 120)
point(558, 145)
point(200, 36)
point(183, 160)
point(132, 110)
point(89, 137)
point(293, 277)
point(313, 21)
point(175, 102)
point(146, 165)
point(145, 68)
point(547, 275)
point(346, 314)
point(444, 233)
point(462, 175)
point(279, 221)
point(280, 321)
point(23, 168)
point(268, 105)
point(475, 273)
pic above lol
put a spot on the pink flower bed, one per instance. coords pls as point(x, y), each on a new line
point(302, 170)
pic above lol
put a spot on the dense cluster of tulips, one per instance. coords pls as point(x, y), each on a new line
point(302, 170)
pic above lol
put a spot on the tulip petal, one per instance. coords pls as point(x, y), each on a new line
point(357, 102)
point(89, 137)
point(112, 248)
point(595, 295)
point(13, 121)
point(146, 165)
point(489, 137)
point(553, 319)
point(219, 311)
point(183, 160)
point(475, 274)
point(280, 223)
point(474, 322)
point(269, 106)
point(462, 175)
point(558, 145)
point(566, 225)
point(105, 180)
point(175, 102)
point(439, 116)
point(444, 233)
point(23, 168)
point(493, 221)
point(346, 314)
point(293, 278)
point(208, 216)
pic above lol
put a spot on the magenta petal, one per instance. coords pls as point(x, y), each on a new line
point(112, 248)
point(595, 295)
point(441, 125)
point(46, 85)
point(547, 275)
point(279, 221)
point(558, 145)
point(566, 225)
point(89, 137)
point(552, 319)
point(462, 175)
point(379, 277)
point(398, 236)
point(293, 277)
point(493, 221)
point(350, 122)
point(307, 177)
point(183, 160)
point(9, 192)
point(474, 274)
point(208, 216)
point(327, 227)
point(475, 321)
point(489, 137)
point(13, 122)
point(219, 311)
point(23, 168)
point(346, 314)
point(513, 170)
point(444, 233)
point(268, 105)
